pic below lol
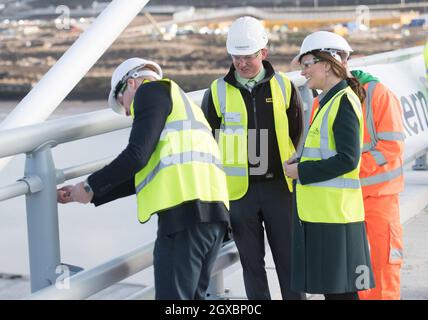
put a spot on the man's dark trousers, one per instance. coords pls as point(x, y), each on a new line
point(183, 261)
point(266, 205)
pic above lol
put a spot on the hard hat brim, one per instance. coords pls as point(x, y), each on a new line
point(244, 52)
point(296, 59)
point(295, 62)
point(115, 105)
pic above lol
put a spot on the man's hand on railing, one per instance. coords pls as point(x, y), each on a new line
point(63, 195)
point(74, 193)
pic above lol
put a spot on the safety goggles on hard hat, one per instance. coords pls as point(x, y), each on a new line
point(334, 53)
point(133, 74)
point(120, 88)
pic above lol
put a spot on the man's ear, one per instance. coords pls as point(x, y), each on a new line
point(264, 53)
point(131, 83)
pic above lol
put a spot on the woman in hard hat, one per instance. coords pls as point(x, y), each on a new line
point(330, 249)
point(381, 178)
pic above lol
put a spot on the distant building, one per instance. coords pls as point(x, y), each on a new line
point(217, 3)
point(271, 3)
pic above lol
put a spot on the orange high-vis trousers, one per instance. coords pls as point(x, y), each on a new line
point(385, 237)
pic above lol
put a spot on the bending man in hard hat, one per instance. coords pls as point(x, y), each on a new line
point(257, 112)
point(330, 248)
point(381, 176)
point(172, 163)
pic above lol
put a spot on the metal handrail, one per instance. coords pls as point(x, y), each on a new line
point(89, 282)
point(67, 129)
point(60, 131)
point(413, 157)
point(23, 186)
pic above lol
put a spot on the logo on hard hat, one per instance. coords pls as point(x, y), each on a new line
point(246, 36)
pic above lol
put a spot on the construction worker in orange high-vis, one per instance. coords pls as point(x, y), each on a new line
point(381, 176)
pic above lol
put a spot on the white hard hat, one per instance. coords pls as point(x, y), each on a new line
point(130, 69)
point(324, 41)
point(246, 36)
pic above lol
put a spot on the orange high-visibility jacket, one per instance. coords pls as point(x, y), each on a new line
point(381, 170)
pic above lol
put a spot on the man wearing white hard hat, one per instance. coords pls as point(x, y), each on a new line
point(257, 112)
point(172, 165)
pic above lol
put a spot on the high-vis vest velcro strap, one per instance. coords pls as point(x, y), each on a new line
point(388, 171)
point(338, 200)
point(185, 164)
point(233, 135)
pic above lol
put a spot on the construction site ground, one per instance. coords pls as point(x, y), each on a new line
point(194, 60)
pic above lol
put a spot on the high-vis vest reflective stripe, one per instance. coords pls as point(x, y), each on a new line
point(233, 137)
point(338, 200)
point(185, 164)
point(387, 176)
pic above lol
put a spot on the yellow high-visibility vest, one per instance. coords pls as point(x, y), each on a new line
point(233, 136)
point(338, 200)
point(185, 164)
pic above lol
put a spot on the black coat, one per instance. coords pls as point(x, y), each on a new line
point(152, 106)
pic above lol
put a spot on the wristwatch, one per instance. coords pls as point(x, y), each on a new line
point(87, 187)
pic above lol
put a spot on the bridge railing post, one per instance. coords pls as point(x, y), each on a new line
point(421, 163)
point(216, 287)
point(42, 217)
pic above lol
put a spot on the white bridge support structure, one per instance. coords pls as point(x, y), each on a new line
point(57, 83)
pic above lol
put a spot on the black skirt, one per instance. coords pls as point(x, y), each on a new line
point(330, 257)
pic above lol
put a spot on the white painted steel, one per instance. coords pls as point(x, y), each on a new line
point(13, 190)
point(48, 93)
point(25, 139)
point(88, 282)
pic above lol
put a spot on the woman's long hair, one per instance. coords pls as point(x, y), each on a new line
point(340, 71)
